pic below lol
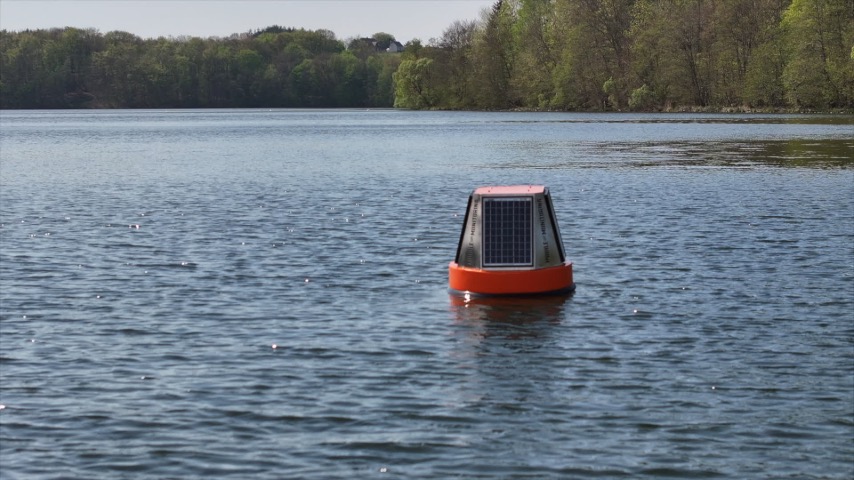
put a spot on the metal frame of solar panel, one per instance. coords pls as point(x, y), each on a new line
point(507, 232)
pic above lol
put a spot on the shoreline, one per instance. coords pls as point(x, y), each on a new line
point(686, 110)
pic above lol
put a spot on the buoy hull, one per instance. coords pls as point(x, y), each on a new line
point(542, 281)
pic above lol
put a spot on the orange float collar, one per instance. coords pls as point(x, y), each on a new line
point(552, 280)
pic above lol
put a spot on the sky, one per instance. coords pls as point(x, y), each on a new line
point(405, 19)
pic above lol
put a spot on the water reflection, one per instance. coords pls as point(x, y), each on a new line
point(807, 153)
point(505, 348)
point(677, 118)
point(801, 153)
point(783, 154)
point(508, 317)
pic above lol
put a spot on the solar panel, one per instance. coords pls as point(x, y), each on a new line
point(507, 232)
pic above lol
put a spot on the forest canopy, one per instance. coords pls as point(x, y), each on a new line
point(580, 55)
point(274, 67)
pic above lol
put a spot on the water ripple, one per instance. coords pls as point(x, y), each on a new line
point(286, 315)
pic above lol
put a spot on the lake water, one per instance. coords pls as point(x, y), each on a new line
point(263, 294)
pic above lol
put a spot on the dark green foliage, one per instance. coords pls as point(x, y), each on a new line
point(273, 67)
point(642, 55)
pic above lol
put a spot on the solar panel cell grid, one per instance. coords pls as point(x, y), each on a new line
point(507, 232)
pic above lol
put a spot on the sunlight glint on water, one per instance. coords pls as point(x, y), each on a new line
point(263, 294)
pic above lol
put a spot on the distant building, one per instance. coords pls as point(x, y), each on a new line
point(369, 44)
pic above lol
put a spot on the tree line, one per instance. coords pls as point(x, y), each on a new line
point(274, 67)
point(639, 55)
point(578, 55)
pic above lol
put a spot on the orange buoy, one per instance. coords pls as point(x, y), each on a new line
point(510, 244)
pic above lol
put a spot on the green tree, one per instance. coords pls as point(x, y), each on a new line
point(118, 72)
point(740, 28)
point(494, 53)
point(274, 67)
point(695, 44)
point(350, 78)
point(763, 76)
point(305, 82)
point(580, 71)
point(556, 54)
point(413, 84)
point(22, 73)
point(453, 67)
point(73, 67)
point(250, 67)
point(675, 50)
point(653, 64)
point(819, 72)
point(535, 60)
point(642, 98)
point(380, 79)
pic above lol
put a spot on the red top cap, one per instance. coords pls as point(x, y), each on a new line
point(511, 190)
